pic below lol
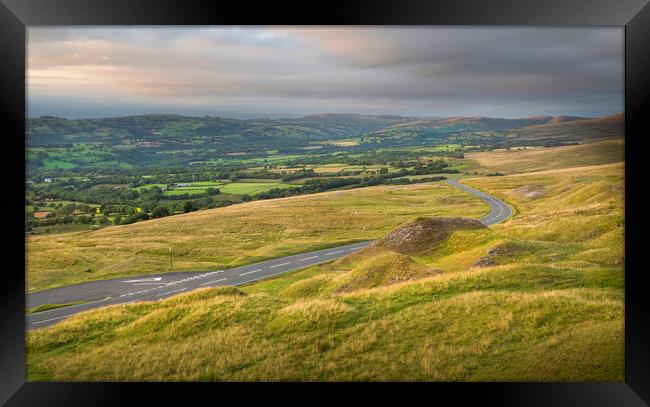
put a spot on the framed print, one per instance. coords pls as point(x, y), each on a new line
point(448, 193)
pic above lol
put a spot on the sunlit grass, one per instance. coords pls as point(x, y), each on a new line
point(240, 234)
point(548, 307)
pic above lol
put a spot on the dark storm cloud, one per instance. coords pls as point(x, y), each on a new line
point(421, 71)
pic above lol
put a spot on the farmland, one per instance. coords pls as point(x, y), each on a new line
point(142, 167)
point(251, 188)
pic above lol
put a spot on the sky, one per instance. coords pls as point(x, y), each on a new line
point(507, 72)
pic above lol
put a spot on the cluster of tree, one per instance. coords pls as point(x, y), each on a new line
point(54, 218)
point(405, 181)
point(324, 184)
point(122, 214)
point(302, 173)
point(434, 167)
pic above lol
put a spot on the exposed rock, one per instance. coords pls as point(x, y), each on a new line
point(427, 273)
point(388, 261)
point(532, 191)
point(501, 250)
point(484, 261)
point(424, 234)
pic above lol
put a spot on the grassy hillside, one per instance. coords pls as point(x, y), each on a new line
point(539, 298)
point(240, 234)
point(571, 128)
point(114, 145)
point(538, 159)
point(178, 130)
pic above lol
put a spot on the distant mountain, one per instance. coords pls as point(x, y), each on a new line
point(576, 128)
point(180, 129)
point(563, 119)
point(168, 139)
point(568, 128)
point(460, 123)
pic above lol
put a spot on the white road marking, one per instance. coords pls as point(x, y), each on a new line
point(281, 264)
point(215, 281)
point(143, 280)
point(171, 292)
point(251, 272)
point(159, 285)
point(308, 258)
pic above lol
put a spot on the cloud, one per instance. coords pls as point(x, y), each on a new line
point(425, 70)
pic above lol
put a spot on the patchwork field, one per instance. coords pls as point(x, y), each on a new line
point(239, 234)
point(538, 298)
point(247, 187)
point(251, 188)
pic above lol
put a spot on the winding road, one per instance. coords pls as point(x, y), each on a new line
point(499, 212)
point(101, 293)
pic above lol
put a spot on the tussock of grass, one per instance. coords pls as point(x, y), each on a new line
point(310, 314)
point(308, 287)
point(360, 336)
point(383, 269)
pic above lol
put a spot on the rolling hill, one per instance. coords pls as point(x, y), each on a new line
point(576, 129)
point(159, 140)
point(538, 298)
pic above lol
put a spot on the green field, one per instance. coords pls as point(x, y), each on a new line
point(251, 188)
point(204, 184)
point(185, 190)
point(53, 164)
point(271, 159)
point(78, 155)
point(233, 188)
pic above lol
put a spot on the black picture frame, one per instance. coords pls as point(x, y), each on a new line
point(16, 15)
